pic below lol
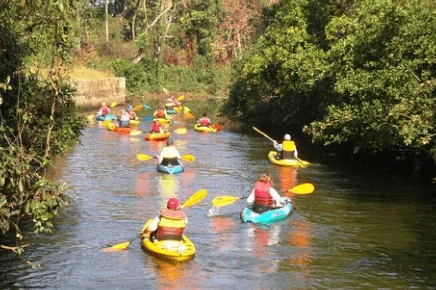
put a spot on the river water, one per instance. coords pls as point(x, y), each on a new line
point(358, 230)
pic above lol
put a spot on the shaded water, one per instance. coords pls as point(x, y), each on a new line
point(358, 230)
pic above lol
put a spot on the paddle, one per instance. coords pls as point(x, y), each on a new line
point(145, 157)
point(274, 141)
point(146, 106)
point(225, 200)
point(138, 107)
point(113, 104)
point(180, 98)
point(192, 200)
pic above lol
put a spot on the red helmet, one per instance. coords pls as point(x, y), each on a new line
point(173, 203)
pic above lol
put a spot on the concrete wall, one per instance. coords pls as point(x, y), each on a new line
point(91, 93)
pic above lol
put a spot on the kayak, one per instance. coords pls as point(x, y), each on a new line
point(157, 136)
point(135, 122)
point(171, 169)
point(107, 117)
point(162, 121)
point(171, 111)
point(171, 250)
point(121, 130)
point(285, 162)
point(273, 215)
point(200, 128)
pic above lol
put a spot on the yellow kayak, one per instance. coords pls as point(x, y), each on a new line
point(175, 251)
point(135, 122)
point(200, 128)
point(162, 121)
point(286, 162)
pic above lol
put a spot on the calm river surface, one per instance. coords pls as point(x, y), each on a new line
point(357, 230)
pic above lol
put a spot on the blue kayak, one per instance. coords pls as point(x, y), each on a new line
point(107, 117)
point(171, 169)
point(273, 215)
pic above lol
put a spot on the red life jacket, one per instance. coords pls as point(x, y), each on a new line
point(160, 113)
point(262, 197)
point(104, 110)
point(155, 127)
point(171, 225)
point(204, 121)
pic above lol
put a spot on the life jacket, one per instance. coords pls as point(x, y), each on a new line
point(169, 106)
point(204, 121)
point(171, 225)
point(263, 200)
point(169, 156)
point(104, 110)
point(160, 113)
point(155, 127)
point(288, 149)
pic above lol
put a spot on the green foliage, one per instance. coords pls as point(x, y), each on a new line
point(38, 121)
point(383, 59)
point(144, 77)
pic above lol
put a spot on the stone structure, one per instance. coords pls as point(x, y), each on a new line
point(90, 93)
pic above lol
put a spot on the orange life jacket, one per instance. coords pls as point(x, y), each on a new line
point(171, 225)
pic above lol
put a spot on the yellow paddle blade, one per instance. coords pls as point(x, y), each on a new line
point(188, 157)
point(188, 115)
point(106, 122)
point(135, 133)
point(143, 157)
point(138, 107)
point(180, 98)
point(304, 188)
point(303, 163)
point(186, 109)
point(165, 91)
point(195, 198)
point(224, 200)
point(117, 247)
point(113, 104)
point(180, 131)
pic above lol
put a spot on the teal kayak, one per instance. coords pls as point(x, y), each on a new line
point(273, 215)
point(171, 169)
point(107, 117)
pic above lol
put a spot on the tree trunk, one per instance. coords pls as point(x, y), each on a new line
point(106, 10)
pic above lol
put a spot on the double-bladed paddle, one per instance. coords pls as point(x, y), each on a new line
point(225, 200)
point(192, 200)
point(145, 157)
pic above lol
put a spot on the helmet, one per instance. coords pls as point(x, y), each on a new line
point(287, 137)
point(103, 104)
point(170, 142)
point(123, 111)
point(173, 203)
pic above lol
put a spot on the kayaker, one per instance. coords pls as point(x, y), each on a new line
point(104, 110)
point(124, 119)
point(264, 197)
point(204, 121)
point(161, 113)
point(169, 224)
point(132, 114)
point(286, 150)
point(156, 127)
point(169, 154)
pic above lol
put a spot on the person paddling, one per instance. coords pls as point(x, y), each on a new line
point(169, 224)
point(264, 197)
point(286, 150)
point(204, 121)
point(169, 154)
point(156, 127)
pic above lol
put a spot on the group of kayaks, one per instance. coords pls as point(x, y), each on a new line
point(183, 250)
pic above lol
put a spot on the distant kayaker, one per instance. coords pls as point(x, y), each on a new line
point(286, 150)
point(204, 121)
point(169, 154)
point(169, 224)
point(104, 110)
point(124, 119)
point(156, 127)
point(161, 113)
point(264, 197)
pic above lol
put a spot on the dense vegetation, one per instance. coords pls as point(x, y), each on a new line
point(359, 74)
point(355, 74)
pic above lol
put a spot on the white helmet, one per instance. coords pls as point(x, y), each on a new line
point(287, 137)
